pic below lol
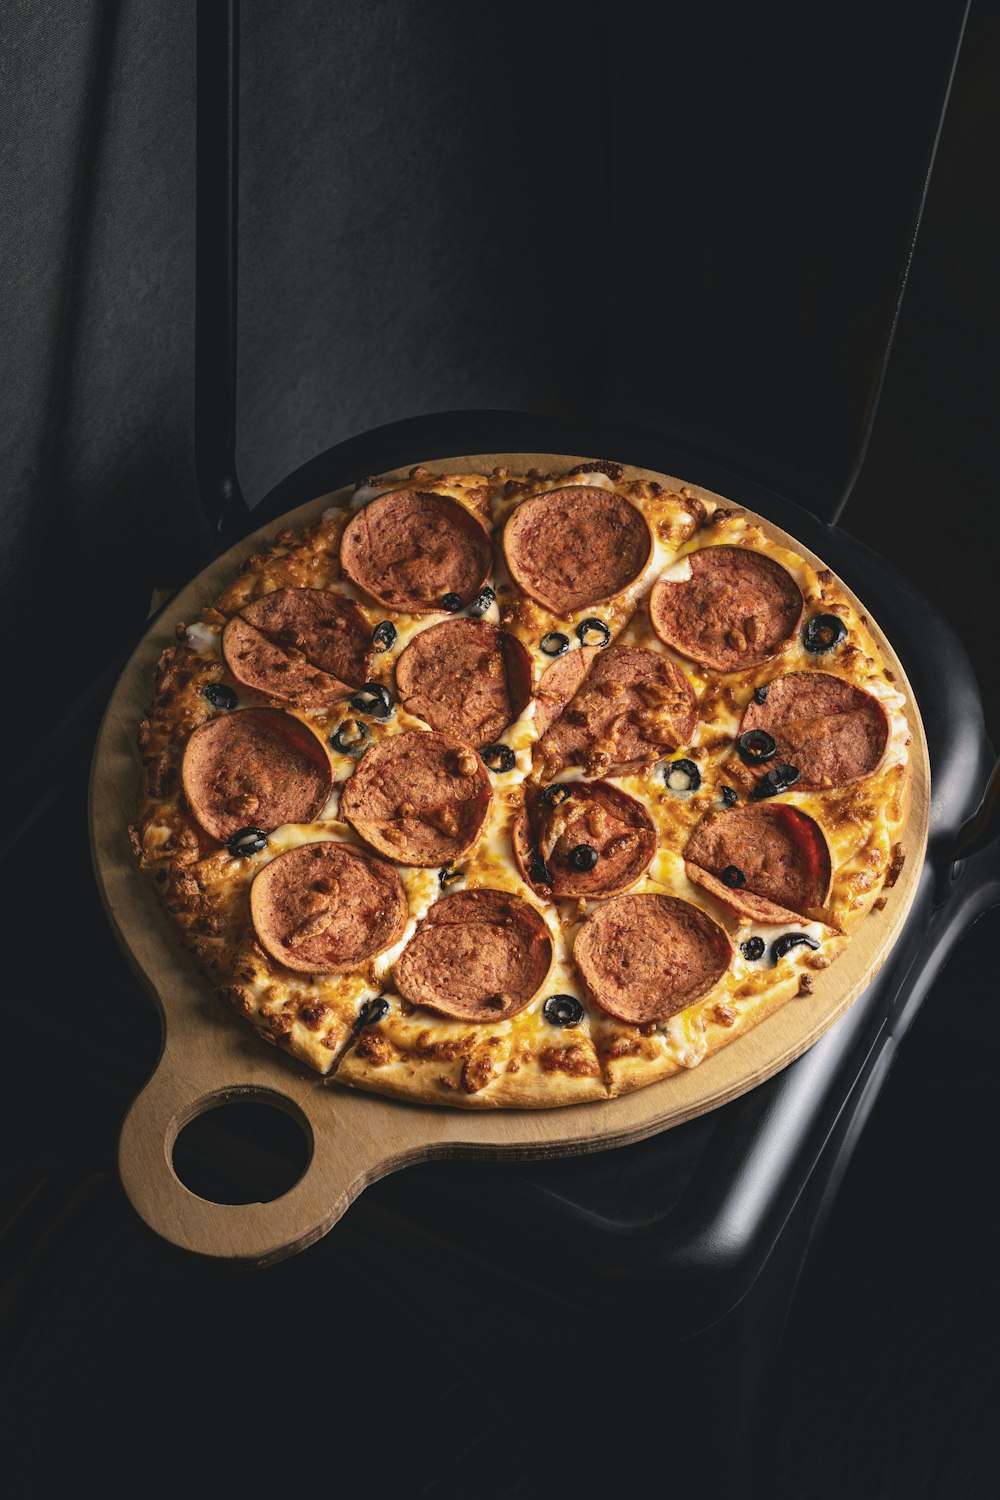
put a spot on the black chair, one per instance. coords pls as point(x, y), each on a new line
point(693, 339)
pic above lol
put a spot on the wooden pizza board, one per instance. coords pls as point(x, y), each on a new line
point(211, 1056)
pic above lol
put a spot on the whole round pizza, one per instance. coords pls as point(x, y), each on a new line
point(521, 790)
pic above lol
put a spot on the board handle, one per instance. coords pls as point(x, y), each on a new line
point(344, 1157)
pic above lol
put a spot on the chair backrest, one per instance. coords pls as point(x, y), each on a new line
point(692, 218)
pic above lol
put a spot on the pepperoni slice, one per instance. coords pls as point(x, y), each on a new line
point(421, 798)
point(647, 957)
point(832, 731)
point(409, 548)
point(736, 610)
point(594, 815)
point(576, 546)
point(559, 682)
point(478, 955)
point(633, 707)
point(303, 646)
point(466, 676)
point(769, 862)
point(254, 768)
point(326, 907)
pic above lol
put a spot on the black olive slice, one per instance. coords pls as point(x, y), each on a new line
point(373, 699)
point(372, 1012)
point(384, 635)
point(682, 776)
point(451, 602)
point(246, 841)
point(448, 876)
point(756, 746)
point(789, 940)
point(482, 602)
point(777, 779)
point(729, 796)
point(593, 632)
point(219, 695)
point(583, 857)
point(760, 693)
point(562, 1010)
point(538, 870)
point(822, 633)
point(499, 758)
point(753, 949)
point(555, 643)
point(734, 877)
point(557, 794)
point(351, 737)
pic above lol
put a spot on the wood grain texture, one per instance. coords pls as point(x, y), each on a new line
point(210, 1056)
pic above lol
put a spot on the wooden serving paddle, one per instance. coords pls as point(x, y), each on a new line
point(210, 1056)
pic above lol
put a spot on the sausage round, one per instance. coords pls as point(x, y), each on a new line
point(576, 546)
point(420, 798)
point(646, 957)
point(326, 907)
point(254, 768)
point(479, 955)
point(736, 609)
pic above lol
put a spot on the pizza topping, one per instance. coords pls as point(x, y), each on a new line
point(729, 796)
point(246, 841)
point(784, 945)
point(374, 1010)
point(467, 677)
point(646, 957)
point(448, 875)
point(630, 709)
point(384, 635)
point(351, 738)
point(597, 843)
point(736, 609)
point(834, 732)
point(479, 955)
point(593, 632)
point(563, 1010)
point(303, 646)
point(555, 796)
point(755, 747)
point(499, 758)
point(420, 797)
point(373, 699)
point(753, 949)
point(682, 776)
point(583, 857)
point(451, 602)
point(483, 601)
point(760, 693)
point(255, 767)
point(822, 633)
point(554, 644)
point(220, 695)
point(576, 546)
point(326, 907)
point(770, 864)
point(778, 779)
point(409, 549)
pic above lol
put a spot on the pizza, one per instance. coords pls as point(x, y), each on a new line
point(521, 790)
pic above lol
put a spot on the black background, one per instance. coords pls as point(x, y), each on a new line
point(695, 223)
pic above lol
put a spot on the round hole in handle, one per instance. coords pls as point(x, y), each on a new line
point(241, 1146)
